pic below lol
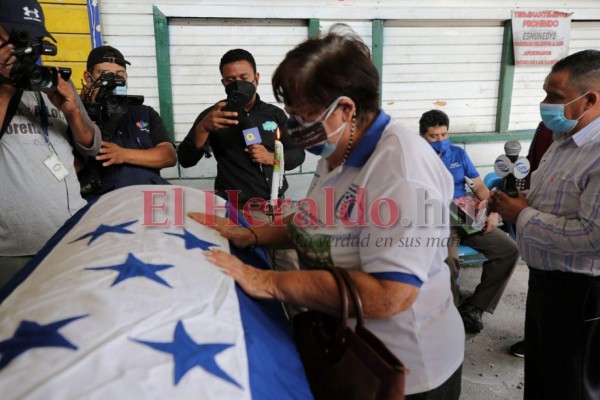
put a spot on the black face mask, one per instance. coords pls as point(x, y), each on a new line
point(239, 93)
point(306, 137)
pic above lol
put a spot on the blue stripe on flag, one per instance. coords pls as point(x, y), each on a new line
point(269, 345)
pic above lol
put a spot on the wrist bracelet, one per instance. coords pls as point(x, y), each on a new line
point(255, 236)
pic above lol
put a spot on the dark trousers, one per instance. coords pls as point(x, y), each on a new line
point(449, 390)
point(562, 336)
point(502, 255)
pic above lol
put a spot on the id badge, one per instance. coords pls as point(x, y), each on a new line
point(56, 167)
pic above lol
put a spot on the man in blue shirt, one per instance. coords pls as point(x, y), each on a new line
point(499, 249)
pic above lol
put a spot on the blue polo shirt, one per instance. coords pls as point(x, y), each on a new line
point(459, 164)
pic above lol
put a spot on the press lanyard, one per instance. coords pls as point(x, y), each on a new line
point(44, 119)
point(52, 162)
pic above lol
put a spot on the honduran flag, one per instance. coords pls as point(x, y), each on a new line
point(121, 304)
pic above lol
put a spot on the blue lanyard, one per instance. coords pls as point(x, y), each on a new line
point(44, 117)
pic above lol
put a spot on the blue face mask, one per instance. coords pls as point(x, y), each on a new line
point(554, 118)
point(329, 148)
point(441, 146)
point(120, 90)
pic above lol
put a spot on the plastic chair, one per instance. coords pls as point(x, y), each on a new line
point(469, 256)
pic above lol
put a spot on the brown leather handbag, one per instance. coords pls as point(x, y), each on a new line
point(341, 363)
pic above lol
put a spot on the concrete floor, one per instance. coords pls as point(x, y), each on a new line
point(490, 372)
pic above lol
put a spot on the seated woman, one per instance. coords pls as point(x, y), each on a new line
point(364, 212)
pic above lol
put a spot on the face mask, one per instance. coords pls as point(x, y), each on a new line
point(316, 150)
point(311, 135)
point(441, 146)
point(329, 148)
point(240, 91)
point(120, 90)
point(554, 118)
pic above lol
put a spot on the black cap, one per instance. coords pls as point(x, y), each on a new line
point(24, 15)
point(105, 54)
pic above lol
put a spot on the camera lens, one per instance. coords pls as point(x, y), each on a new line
point(37, 76)
point(43, 77)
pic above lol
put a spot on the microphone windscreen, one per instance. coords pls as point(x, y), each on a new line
point(512, 148)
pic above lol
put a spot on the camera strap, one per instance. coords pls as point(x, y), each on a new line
point(11, 110)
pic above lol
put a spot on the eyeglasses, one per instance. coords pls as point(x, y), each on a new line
point(324, 115)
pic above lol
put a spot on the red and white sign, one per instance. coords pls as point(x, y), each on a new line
point(540, 36)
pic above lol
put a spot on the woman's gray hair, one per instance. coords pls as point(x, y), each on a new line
point(318, 71)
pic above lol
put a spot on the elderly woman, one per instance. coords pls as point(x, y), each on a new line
point(377, 206)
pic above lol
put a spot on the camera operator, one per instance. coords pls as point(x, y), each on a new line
point(39, 189)
point(135, 142)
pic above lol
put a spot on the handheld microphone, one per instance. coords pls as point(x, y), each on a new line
point(511, 167)
point(252, 136)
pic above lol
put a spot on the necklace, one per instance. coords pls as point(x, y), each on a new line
point(351, 140)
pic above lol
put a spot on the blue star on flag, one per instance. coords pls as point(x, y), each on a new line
point(133, 267)
point(192, 241)
point(103, 229)
point(188, 354)
point(30, 335)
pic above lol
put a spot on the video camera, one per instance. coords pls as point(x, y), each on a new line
point(106, 103)
point(25, 73)
point(105, 109)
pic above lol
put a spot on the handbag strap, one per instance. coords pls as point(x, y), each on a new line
point(343, 291)
point(349, 284)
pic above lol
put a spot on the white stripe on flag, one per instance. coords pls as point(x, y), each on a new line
point(126, 303)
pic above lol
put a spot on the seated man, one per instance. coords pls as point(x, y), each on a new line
point(135, 143)
point(499, 249)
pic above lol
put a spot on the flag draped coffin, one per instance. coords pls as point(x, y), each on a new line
point(122, 304)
